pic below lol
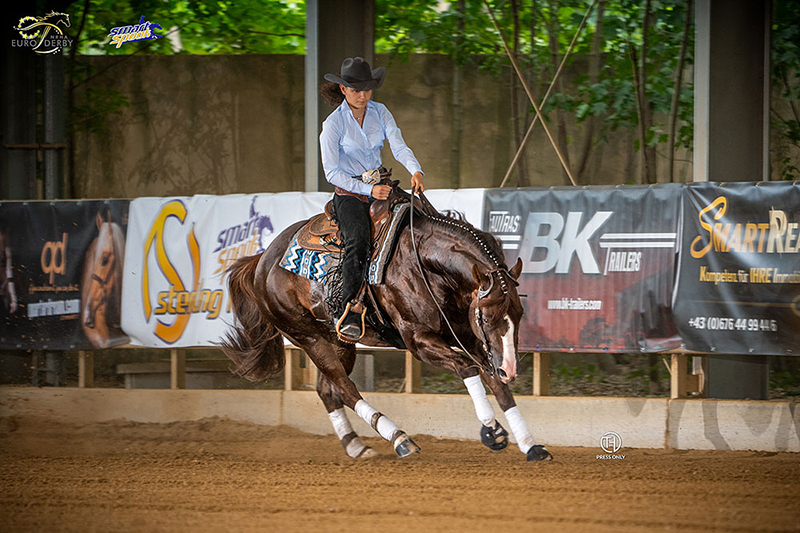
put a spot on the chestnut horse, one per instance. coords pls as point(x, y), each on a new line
point(101, 284)
point(472, 302)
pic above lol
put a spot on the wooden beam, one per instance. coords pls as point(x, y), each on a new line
point(413, 374)
point(541, 374)
point(678, 374)
point(177, 369)
point(85, 369)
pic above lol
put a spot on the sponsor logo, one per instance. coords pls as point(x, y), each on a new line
point(243, 240)
point(779, 235)
point(54, 258)
point(181, 300)
point(140, 32)
point(42, 34)
point(610, 443)
point(549, 242)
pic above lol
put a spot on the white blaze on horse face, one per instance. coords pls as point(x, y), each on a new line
point(509, 353)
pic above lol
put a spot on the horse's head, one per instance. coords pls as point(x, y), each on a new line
point(101, 262)
point(57, 18)
point(494, 314)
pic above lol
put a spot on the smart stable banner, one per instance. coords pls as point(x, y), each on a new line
point(178, 250)
point(61, 274)
point(598, 264)
point(739, 284)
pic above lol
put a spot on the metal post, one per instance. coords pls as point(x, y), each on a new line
point(53, 110)
point(311, 97)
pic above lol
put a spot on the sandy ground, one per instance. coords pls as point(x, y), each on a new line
point(219, 475)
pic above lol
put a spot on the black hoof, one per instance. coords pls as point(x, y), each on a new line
point(495, 438)
point(404, 446)
point(539, 453)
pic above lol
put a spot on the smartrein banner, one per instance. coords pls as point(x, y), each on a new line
point(598, 264)
point(178, 250)
point(61, 269)
point(739, 284)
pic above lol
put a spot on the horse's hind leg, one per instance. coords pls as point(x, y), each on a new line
point(332, 400)
point(331, 358)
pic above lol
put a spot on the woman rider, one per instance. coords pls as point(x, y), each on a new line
point(351, 141)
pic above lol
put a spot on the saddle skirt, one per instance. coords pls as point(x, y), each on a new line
point(316, 249)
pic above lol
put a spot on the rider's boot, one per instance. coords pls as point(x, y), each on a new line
point(350, 326)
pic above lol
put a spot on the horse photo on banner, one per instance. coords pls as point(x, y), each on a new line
point(178, 252)
point(62, 274)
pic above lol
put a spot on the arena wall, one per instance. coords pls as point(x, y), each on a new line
point(556, 421)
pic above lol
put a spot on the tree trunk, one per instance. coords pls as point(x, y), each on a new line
point(517, 107)
point(594, 76)
point(457, 125)
point(643, 108)
point(553, 29)
point(676, 94)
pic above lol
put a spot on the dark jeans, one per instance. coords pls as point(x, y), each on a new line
point(355, 225)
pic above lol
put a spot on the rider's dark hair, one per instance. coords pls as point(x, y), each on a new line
point(331, 93)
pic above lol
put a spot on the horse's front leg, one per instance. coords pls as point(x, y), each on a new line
point(497, 434)
point(432, 349)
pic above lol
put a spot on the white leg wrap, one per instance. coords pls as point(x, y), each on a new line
point(482, 406)
point(386, 427)
point(341, 425)
point(520, 429)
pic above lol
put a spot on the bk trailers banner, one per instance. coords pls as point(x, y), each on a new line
point(598, 264)
point(739, 284)
point(61, 269)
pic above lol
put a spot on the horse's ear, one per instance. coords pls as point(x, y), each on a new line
point(516, 270)
point(477, 274)
point(99, 220)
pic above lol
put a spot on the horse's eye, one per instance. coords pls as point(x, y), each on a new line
point(105, 260)
point(485, 320)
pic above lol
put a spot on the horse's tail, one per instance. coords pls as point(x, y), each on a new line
point(255, 346)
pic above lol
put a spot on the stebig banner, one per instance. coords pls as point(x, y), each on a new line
point(178, 251)
point(61, 269)
point(739, 285)
point(598, 264)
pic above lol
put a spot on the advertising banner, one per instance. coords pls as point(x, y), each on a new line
point(178, 250)
point(61, 267)
point(598, 264)
point(739, 285)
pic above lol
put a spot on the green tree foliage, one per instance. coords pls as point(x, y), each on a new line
point(202, 26)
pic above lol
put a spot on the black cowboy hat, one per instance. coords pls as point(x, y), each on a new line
point(356, 73)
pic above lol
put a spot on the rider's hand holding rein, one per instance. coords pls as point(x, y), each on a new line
point(416, 182)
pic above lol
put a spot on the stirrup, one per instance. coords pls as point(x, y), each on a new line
point(349, 332)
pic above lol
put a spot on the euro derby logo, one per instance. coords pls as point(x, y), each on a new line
point(140, 32)
point(36, 33)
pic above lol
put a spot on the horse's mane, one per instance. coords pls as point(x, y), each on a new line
point(453, 223)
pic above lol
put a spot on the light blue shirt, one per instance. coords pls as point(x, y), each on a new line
point(348, 149)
